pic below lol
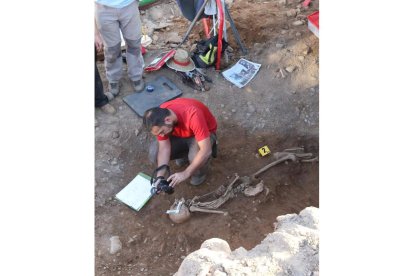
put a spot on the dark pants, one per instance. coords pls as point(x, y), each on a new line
point(100, 98)
point(183, 148)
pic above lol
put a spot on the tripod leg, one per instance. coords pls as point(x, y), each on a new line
point(200, 11)
point(235, 32)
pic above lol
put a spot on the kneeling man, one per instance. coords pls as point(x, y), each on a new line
point(186, 132)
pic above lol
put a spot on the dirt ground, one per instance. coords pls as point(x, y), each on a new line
point(273, 110)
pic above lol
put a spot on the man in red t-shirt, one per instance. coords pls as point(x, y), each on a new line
point(185, 128)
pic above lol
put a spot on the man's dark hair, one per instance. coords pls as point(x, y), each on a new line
point(155, 117)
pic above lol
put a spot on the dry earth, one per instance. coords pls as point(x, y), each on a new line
point(274, 110)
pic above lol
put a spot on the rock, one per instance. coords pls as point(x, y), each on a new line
point(96, 123)
point(301, 58)
point(306, 51)
point(115, 135)
point(298, 34)
point(233, 110)
point(116, 244)
point(280, 45)
point(156, 14)
point(222, 105)
point(251, 109)
point(292, 249)
point(155, 38)
point(281, 2)
point(173, 37)
point(283, 31)
point(229, 3)
point(297, 23)
point(290, 69)
point(217, 245)
point(291, 13)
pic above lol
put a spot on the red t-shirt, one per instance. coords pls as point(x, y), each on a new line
point(193, 119)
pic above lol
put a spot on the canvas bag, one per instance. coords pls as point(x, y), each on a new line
point(205, 53)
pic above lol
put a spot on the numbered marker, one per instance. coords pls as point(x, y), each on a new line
point(264, 150)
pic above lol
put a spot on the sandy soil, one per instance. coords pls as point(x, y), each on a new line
point(272, 110)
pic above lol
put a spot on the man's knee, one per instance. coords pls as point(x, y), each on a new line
point(113, 53)
point(133, 46)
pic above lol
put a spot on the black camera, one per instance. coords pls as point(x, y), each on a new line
point(163, 185)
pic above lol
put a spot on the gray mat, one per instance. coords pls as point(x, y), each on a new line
point(164, 90)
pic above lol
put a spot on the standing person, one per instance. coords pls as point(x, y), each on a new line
point(101, 99)
point(111, 17)
point(185, 131)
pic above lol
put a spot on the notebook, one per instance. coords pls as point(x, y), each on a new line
point(137, 192)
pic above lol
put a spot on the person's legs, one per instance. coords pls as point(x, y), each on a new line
point(201, 174)
point(108, 26)
point(101, 100)
point(130, 24)
point(179, 149)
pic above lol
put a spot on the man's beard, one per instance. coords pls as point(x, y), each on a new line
point(170, 128)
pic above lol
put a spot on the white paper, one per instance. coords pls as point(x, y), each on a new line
point(136, 193)
point(242, 72)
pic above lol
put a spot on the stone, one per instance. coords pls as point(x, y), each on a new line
point(156, 14)
point(291, 13)
point(115, 135)
point(280, 45)
point(283, 31)
point(306, 51)
point(155, 38)
point(290, 69)
point(297, 23)
point(233, 110)
point(301, 58)
point(298, 34)
point(116, 244)
point(173, 37)
point(251, 109)
point(216, 244)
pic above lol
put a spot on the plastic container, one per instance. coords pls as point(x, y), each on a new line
point(150, 88)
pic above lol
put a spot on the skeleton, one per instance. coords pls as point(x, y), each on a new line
point(208, 203)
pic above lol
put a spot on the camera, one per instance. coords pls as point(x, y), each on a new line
point(162, 186)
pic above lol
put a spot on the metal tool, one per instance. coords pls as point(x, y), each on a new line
point(176, 210)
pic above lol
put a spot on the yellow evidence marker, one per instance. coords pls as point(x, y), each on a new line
point(264, 151)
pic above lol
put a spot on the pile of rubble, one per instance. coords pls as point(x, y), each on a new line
point(292, 249)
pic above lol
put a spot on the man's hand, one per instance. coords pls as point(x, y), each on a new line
point(98, 39)
point(178, 178)
point(98, 43)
